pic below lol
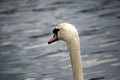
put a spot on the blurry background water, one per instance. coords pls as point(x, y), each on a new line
point(26, 26)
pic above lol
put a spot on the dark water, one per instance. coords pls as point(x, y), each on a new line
point(26, 26)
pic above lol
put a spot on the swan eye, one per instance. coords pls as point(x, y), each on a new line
point(55, 31)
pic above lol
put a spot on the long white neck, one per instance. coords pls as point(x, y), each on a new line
point(74, 49)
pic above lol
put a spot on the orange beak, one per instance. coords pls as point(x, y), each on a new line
point(53, 39)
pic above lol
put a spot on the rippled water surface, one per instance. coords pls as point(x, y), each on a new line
point(26, 26)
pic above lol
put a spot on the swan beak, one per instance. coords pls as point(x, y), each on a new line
point(53, 39)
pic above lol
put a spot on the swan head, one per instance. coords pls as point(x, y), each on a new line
point(65, 32)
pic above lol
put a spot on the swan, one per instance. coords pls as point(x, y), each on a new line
point(68, 33)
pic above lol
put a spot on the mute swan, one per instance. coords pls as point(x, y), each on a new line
point(69, 34)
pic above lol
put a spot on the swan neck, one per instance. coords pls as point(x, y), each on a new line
point(74, 49)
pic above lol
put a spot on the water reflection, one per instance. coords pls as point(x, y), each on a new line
point(26, 25)
point(99, 78)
